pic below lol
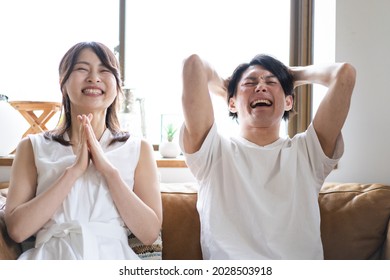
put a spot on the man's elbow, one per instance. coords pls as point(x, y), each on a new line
point(348, 73)
point(192, 63)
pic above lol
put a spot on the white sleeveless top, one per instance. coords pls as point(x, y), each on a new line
point(87, 225)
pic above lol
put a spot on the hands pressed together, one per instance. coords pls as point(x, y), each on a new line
point(89, 149)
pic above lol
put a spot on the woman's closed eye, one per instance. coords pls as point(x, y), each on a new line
point(105, 70)
point(80, 69)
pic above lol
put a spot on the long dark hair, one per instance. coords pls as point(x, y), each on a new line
point(271, 64)
point(66, 66)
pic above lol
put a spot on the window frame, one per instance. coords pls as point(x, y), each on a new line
point(301, 54)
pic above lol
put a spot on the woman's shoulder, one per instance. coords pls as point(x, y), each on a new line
point(40, 138)
point(31, 140)
point(24, 143)
point(24, 151)
point(145, 146)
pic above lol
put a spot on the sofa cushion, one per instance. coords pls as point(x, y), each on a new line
point(181, 226)
point(146, 252)
point(9, 250)
point(2, 202)
point(354, 220)
point(3, 193)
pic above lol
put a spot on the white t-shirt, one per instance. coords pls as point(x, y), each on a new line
point(260, 202)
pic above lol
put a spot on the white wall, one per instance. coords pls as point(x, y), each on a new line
point(362, 38)
point(175, 175)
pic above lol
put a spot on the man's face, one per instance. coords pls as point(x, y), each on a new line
point(260, 100)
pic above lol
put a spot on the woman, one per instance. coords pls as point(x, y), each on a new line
point(81, 188)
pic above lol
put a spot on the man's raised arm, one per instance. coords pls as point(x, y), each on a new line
point(332, 112)
point(198, 80)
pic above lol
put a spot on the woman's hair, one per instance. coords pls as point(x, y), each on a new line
point(66, 66)
point(269, 63)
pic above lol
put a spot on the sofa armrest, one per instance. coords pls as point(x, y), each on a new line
point(9, 249)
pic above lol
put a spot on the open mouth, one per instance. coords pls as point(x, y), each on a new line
point(261, 103)
point(90, 91)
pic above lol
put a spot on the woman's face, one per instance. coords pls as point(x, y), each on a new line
point(91, 86)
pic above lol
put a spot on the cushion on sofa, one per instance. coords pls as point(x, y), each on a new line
point(9, 250)
point(181, 227)
point(354, 220)
point(146, 252)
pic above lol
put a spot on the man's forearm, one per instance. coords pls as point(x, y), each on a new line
point(312, 74)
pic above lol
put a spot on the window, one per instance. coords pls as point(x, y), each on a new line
point(35, 36)
point(324, 41)
point(160, 34)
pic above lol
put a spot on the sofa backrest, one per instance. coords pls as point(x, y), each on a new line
point(355, 221)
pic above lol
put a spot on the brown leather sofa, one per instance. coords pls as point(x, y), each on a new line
point(354, 225)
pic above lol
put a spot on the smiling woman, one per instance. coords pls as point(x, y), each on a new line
point(95, 182)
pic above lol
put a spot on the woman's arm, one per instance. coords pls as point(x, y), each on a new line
point(26, 213)
point(140, 209)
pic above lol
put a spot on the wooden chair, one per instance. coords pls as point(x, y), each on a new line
point(29, 110)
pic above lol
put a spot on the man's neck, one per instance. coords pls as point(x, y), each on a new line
point(260, 136)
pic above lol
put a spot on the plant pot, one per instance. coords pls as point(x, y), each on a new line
point(169, 149)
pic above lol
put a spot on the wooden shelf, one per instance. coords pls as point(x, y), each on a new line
point(171, 162)
point(6, 161)
point(161, 162)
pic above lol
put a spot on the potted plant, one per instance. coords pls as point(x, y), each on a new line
point(168, 148)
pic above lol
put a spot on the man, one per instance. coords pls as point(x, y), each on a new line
point(258, 195)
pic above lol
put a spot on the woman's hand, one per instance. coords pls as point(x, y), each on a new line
point(82, 153)
point(96, 153)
